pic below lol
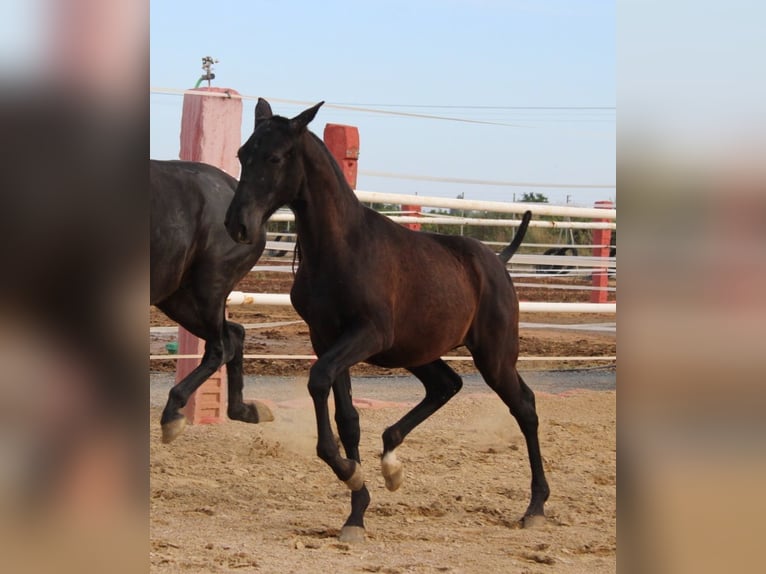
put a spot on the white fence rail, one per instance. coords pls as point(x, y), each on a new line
point(242, 298)
point(496, 206)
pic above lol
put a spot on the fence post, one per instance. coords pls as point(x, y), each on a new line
point(411, 210)
point(343, 143)
point(602, 239)
point(211, 129)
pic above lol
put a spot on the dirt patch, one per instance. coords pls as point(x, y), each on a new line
point(255, 498)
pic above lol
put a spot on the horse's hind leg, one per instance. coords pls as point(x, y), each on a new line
point(347, 421)
point(505, 380)
point(441, 383)
point(238, 409)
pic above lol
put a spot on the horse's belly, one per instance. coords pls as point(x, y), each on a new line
point(399, 358)
point(413, 353)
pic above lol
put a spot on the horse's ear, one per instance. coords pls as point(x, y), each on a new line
point(303, 119)
point(262, 110)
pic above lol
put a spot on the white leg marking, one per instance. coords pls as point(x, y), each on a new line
point(356, 482)
point(392, 471)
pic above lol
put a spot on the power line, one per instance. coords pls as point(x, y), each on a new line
point(177, 92)
point(518, 122)
point(471, 107)
point(486, 182)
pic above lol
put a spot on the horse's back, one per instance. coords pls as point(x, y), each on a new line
point(431, 259)
point(179, 188)
point(188, 207)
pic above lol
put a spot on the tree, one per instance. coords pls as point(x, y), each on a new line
point(533, 198)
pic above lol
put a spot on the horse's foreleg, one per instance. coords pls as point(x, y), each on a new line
point(332, 366)
point(347, 470)
point(173, 421)
point(441, 383)
point(238, 409)
point(347, 421)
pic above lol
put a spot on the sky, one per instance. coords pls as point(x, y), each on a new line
point(540, 73)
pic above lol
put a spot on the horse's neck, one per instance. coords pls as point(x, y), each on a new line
point(328, 209)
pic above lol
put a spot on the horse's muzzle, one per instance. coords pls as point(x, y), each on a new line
point(237, 230)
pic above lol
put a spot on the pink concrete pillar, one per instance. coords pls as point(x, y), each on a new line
point(211, 129)
point(208, 403)
point(602, 238)
point(210, 133)
point(343, 143)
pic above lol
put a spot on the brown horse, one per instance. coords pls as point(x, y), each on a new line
point(371, 290)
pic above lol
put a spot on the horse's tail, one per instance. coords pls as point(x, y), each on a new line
point(506, 254)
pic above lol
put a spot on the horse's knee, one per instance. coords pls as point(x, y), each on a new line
point(319, 382)
point(350, 418)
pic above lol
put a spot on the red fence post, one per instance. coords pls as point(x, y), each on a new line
point(343, 143)
point(601, 238)
point(211, 129)
point(412, 210)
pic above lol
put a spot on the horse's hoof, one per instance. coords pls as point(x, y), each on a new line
point(252, 412)
point(356, 481)
point(264, 412)
point(170, 430)
point(533, 521)
point(352, 534)
point(392, 471)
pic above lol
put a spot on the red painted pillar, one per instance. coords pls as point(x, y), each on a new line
point(412, 210)
point(343, 143)
point(211, 133)
point(602, 238)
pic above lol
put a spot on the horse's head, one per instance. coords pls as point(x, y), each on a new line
point(272, 170)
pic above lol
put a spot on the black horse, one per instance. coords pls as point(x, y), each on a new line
point(371, 290)
point(194, 267)
point(556, 269)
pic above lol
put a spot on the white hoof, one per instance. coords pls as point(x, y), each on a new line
point(356, 482)
point(392, 471)
point(172, 429)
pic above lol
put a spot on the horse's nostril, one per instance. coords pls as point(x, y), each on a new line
point(242, 234)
